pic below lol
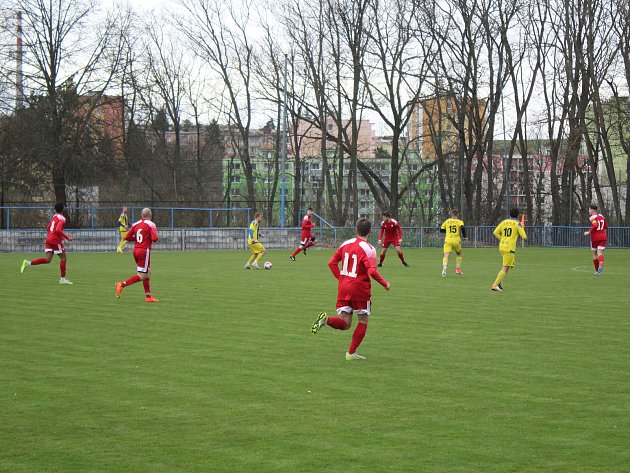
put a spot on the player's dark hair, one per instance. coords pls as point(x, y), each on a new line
point(310, 208)
point(387, 214)
point(455, 212)
point(364, 226)
point(514, 212)
point(592, 206)
point(59, 206)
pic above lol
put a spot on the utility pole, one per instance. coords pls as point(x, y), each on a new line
point(19, 59)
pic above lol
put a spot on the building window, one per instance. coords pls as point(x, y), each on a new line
point(235, 179)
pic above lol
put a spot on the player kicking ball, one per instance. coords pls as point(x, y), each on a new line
point(354, 288)
point(143, 233)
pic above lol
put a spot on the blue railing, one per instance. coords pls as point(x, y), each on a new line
point(235, 238)
point(106, 217)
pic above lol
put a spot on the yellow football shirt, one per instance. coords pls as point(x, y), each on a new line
point(252, 235)
point(508, 232)
point(123, 223)
point(452, 227)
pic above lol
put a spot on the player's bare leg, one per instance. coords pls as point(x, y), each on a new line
point(357, 338)
point(382, 257)
point(598, 261)
point(258, 258)
point(498, 283)
point(401, 256)
point(251, 259)
point(458, 264)
point(445, 263)
point(62, 269)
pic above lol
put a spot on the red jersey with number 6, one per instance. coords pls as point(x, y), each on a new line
point(598, 227)
point(358, 263)
point(144, 233)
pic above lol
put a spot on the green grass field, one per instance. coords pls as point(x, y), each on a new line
point(223, 375)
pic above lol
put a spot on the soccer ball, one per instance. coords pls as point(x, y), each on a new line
point(268, 265)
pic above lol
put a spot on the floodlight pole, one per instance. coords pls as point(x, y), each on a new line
point(284, 147)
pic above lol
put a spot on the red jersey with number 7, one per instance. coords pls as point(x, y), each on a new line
point(598, 227)
point(144, 233)
point(358, 263)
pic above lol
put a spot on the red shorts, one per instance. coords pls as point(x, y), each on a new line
point(598, 245)
point(360, 307)
point(386, 243)
point(306, 237)
point(56, 248)
point(143, 259)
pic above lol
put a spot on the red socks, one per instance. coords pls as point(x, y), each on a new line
point(337, 322)
point(131, 280)
point(308, 245)
point(595, 263)
point(400, 255)
point(600, 259)
point(296, 251)
point(147, 286)
point(382, 258)
point(37, 261)
point(62, 268)
point(357, 337)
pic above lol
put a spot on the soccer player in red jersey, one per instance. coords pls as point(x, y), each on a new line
point(390, 234)
point(308, 239)
point(144, 234)
point(354, 289)
point(598, 237)
point(54, 244)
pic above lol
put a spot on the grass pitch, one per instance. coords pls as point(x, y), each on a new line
point(223, 375)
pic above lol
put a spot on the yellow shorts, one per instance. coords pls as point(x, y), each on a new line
point(256, 248)
point(509, 258)
point(450, 247)
point(122, 234)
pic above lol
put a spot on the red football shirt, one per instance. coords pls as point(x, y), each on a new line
point(144, 233)
point(598, 227)
point(358, 263)
point(391, 230)
point(307, 224)
point(55, 230)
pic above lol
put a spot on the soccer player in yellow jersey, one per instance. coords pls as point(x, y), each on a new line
point(123, 227)
point(257, 249)
point(455, 231)
point(508, 232)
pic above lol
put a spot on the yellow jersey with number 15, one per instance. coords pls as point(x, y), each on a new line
point(508, 232)
point(452, 227)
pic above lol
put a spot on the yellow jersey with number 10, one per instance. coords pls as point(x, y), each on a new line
point(508, 232)
point(452, 227)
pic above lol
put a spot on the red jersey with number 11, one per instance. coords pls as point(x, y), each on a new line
point(144, 233)
point(598, 227)
point(358, 263)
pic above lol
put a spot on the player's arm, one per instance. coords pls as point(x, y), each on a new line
point(498, 232)
point(521, 232)
point(443, 227)
point(251, 235)
point(374, 274)
point(399, 229)
point(60, 233)
point(130, 235)
point(333, 264)
point(462, 231)
point(154, 234)
point(380, 233)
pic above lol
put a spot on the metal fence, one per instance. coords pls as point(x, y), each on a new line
point(107, 217)
point(206, 239)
